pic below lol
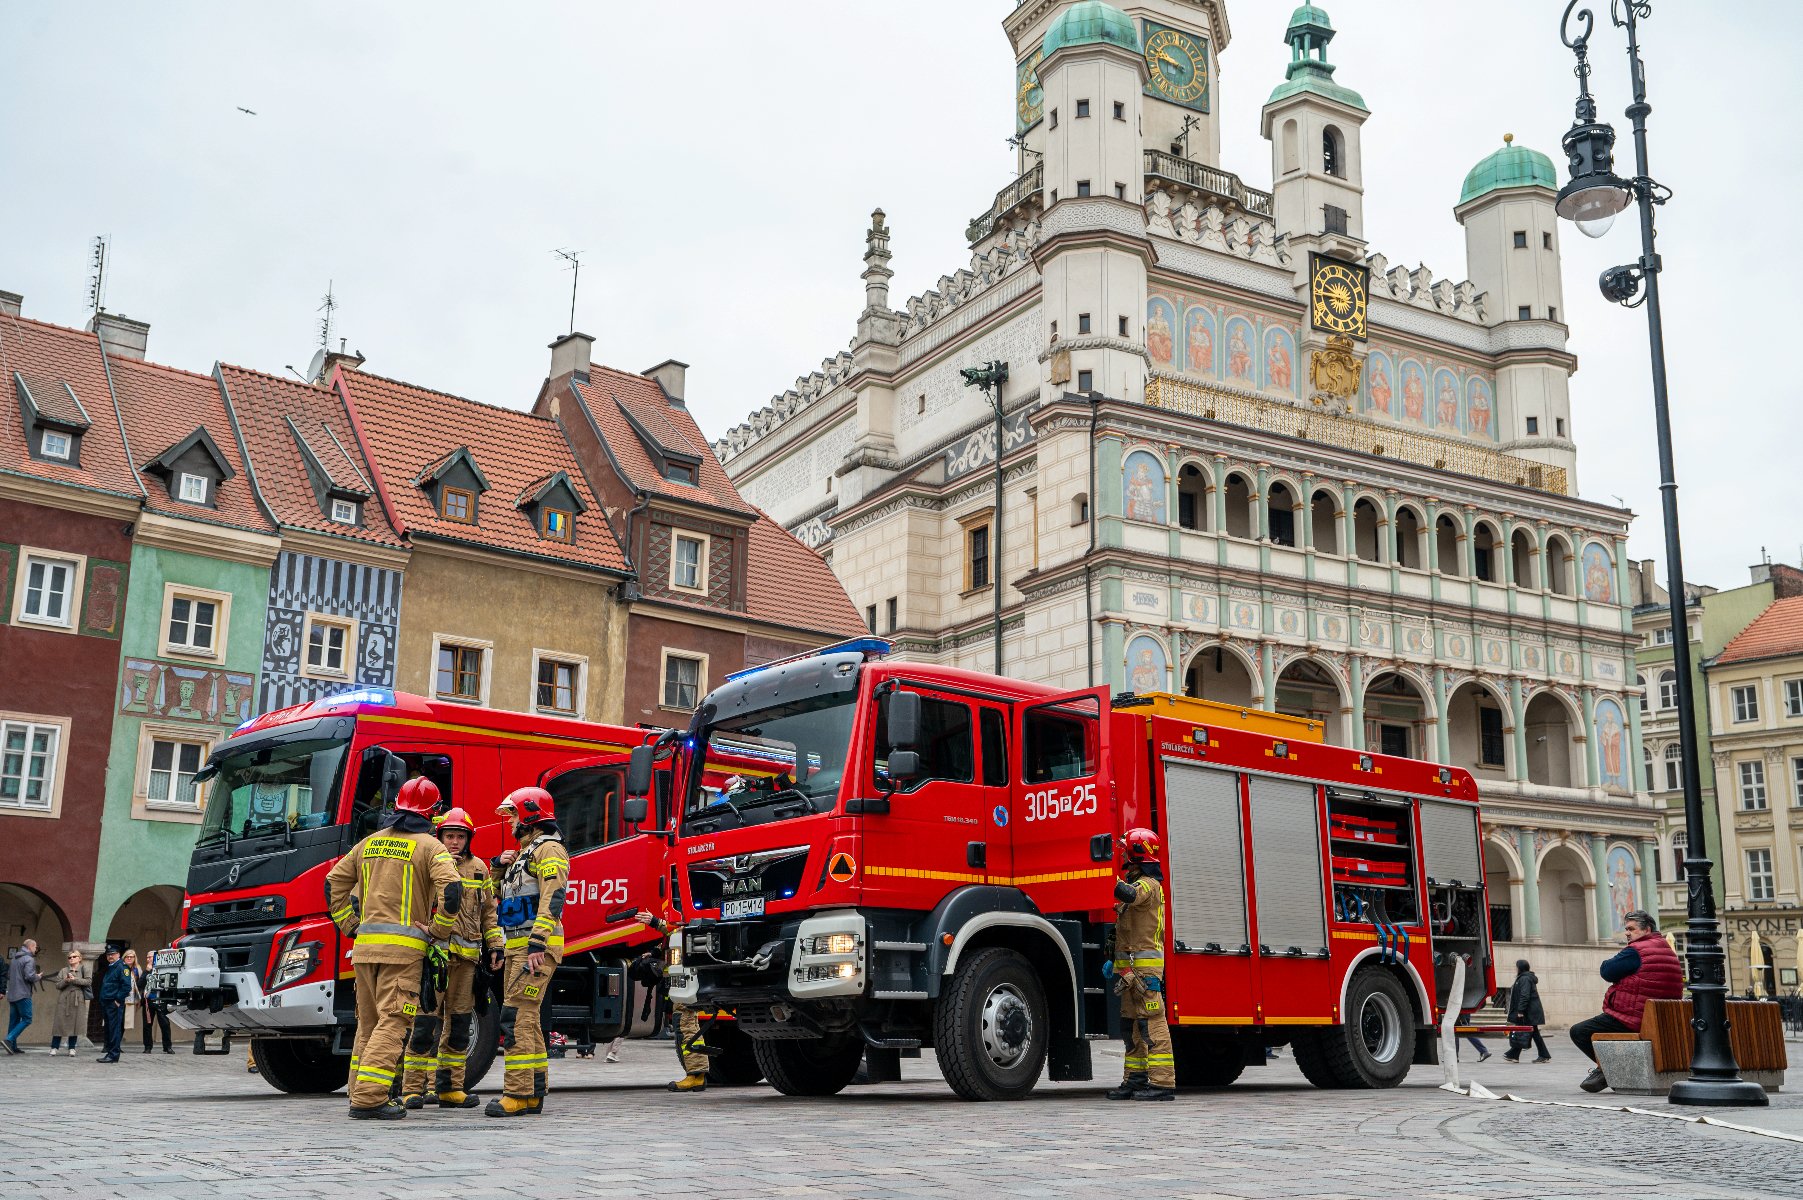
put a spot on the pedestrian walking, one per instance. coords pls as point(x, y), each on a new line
point(385, 893)
point(74, 987)
point(1525, 1009)
point(1645, 969)
point(1477, 1043)
point(22, 979)
point(115, 993)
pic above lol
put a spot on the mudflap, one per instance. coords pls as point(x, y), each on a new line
point(882, 1064)
point(1427, 1048)
point(200, 1042)
point(1067, 1060)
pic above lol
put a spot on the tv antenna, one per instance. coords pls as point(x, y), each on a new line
point(328, 306)
point(102, 246)
point(1190, 121)
point(574, 258)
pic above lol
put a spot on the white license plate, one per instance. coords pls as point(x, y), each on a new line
point(168, 960)
point(748, 906)
point(164, 981)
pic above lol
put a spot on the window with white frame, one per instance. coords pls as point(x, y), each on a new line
point(1680, 849)
point(1641, 680)
point(30, 763)
point(1752, 785)
point(688, 562)
point(194, 620)
point(191, 488)
point(1796, 779)
point(54, 445)
point(1668, 689)
point(558, 682)
point(1674, 767)
point(169, 773)
point(1745, 702)
point(1662, 636)
point(1760, 884)
point(330, 646)
point(47, 590)
point(344, 512)
point(683, 677)
point(1793, 697)
point(460, 669)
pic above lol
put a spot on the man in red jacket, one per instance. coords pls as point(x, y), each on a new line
point(1645, 969)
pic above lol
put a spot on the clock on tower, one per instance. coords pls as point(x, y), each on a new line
point(1178, 66)
point(1338, 292)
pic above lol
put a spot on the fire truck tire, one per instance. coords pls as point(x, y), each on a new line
point(301, 1066)
point(991, 1027)
point(1374, 1048)
point(1205, 1062)
point(485, 1041)
point(814, 1067)
point(737, 1064)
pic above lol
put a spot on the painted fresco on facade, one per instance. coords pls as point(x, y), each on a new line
point(1198, 340)
point(1612, 746)
point(1599, 574)
point(1280, 359)
point(306, 583)
point(1242, 368)
point(1378, 387)
point(1199, 608)
point(1414, 391)
point(1446, 401)
point(1161, 319)
point(1624, 896)
point(1146, 664)
point(1478, 408)
point(1245, 616)
point(1144, 480)
point(1333, 629)
point(166, 691)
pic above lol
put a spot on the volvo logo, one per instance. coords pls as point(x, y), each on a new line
point(231, 876)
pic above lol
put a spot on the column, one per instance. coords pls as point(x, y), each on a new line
point(1443, 736)
point(1519, 770)
point(1263, 502)
point(1267, 667)
point(1649, 875)
point(1592, 763)
point(1349, 533)
point(1219, 495)
point(1530, 886)
point(1356, 680)
point(1306, 535)
point(1605, 913)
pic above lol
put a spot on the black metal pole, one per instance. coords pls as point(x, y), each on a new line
point(995, 550)
point(1714, 1075)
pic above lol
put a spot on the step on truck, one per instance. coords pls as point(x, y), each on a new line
point(933, 865)
point(291, 791)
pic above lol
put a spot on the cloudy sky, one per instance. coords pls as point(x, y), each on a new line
point(716, 163)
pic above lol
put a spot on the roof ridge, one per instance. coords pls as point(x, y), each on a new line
point(157, 366)
point(312, 387)
point(430, 391)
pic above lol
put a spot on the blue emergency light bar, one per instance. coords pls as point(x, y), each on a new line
point(370, 695)
point(869, 647)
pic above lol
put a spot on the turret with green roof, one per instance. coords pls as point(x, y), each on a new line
point(1511, 166)
point(1088, 24)
point(1309, 70)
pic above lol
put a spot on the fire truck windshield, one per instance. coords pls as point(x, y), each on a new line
point(271, 788)
point(804, 743)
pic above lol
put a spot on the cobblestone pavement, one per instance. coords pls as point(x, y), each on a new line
point(157, 1126)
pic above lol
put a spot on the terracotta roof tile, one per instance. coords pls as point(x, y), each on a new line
point(792, 585)
point(409, 429)
point(162, 406)
point(54, 398)
point(1775, 633)
point(49, 357)
point(272, 413)
point(610, 394)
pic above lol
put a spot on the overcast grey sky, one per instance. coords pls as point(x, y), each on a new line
point(717, 163)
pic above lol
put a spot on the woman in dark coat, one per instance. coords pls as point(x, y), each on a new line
point(1525, 1009)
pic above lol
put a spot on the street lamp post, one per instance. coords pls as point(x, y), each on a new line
point(1591, 200)
point(990, 377)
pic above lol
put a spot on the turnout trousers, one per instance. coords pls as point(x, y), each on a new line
point(689, 1041)
point(387, 1003)
point(439, 1045)
point(1147, 1032)
point(522, 1034)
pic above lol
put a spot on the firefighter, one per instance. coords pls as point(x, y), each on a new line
point(531, 918)
point(691, 1040)
point(1151, 1071)
point(396, 892)
point(441, 1036)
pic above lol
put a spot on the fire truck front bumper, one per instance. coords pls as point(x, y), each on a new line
point(203, 998)
point(822, 956)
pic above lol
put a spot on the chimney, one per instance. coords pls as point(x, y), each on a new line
point(570, 355)
point(672, 376)
point(11, 304)
point(1787, 581)
point(122, 336)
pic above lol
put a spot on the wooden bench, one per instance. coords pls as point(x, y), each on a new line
point(1649, 1062)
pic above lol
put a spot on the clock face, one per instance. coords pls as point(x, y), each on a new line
point(1337, 296)
point(1179, 66)
point(1029, 98)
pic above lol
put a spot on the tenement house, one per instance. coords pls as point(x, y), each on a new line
point(1244, 456)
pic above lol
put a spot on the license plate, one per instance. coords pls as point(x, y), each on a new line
point(164, 981)
point(168, 960)
point(746, 906)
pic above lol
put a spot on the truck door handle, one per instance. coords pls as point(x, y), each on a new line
point(976, 854)
point(1101, 848)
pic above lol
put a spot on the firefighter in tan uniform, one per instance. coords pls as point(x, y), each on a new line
point(531, 917)
point(1151, 1071)
point(395, 892)
point(691, 1042)
point(440, 1042)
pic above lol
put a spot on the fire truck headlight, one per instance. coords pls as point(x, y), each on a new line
point(295, 964)
point(831, 943)
point(831, 971)
point(673, 957)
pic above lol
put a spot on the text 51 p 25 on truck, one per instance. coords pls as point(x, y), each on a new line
point(936, 867)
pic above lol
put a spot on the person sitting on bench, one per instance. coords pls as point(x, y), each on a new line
point(1645, 969)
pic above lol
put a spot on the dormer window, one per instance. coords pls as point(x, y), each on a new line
point(344, 512)
point(191, 489)
point(54, 419)
point(55, 445)
point(558, 525)
point(551, 503)
point(456, 504)
point(192, 469)
point(679, 473)
point(454, 484)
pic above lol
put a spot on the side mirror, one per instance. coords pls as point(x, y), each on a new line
point(903, 728)
point(635, 810)
point(638, 775)
point(393, 773)
point(903, 765)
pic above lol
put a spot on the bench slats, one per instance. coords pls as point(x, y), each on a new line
point(1755, 1033)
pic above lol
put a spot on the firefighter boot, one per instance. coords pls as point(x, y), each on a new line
point(541, 1081)
point(510, 1106)
point(458, 1100)
point(1130, 1088)
point(1155, 1093)
point(694, 1081)
point(389, 1111)
point(413, 1101)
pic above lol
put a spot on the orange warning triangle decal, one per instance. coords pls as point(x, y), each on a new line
point(842, 869)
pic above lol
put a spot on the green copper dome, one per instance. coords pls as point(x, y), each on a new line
point(1309, 71)
point(1088, 23)
point(1511, 166)
point(1309, 15)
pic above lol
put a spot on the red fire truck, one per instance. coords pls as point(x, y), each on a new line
point(291, 791)
point(933, 865)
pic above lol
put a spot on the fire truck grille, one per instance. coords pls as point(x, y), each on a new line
point(773, 874)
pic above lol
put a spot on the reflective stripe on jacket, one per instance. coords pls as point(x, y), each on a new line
point(1139, 928)
point(540, 871)
point(398, 879)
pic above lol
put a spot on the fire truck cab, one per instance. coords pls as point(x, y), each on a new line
point(933, 861)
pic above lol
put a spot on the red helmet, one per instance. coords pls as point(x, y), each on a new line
point(457, 819)
point(418, 795)
point(1142, 846)
point(528, 805)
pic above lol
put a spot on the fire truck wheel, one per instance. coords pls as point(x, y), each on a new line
point(991, 1027)
point(737, 1064)
point(816, 1067)
point(1206, 1062)
point(301, 1066)
point(1375, 1046)
point(485, 1041)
